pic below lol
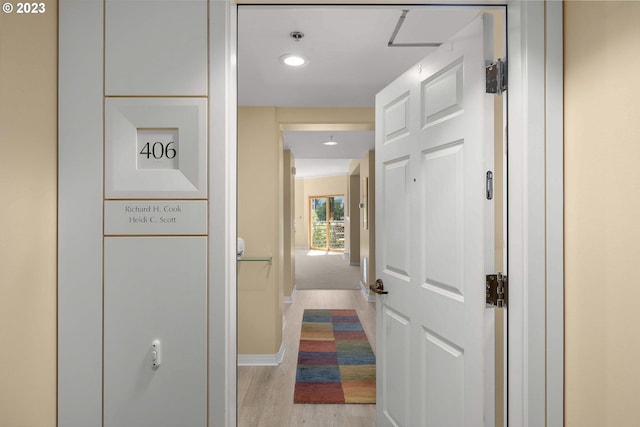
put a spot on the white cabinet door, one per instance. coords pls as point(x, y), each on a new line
point(434, 141)
point(155, 289)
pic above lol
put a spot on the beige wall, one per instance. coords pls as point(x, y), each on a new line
point(288, 212)
point(28, 174)
point(366, 168)
point(353, 220)
point(602, 213)
point(302, 235)
point(326, 118)
point(361, 169)
point(261, 222)
point(259, 210)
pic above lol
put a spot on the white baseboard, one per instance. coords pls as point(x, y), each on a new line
point(368, 296)
point(262, 359)
point(289, 299)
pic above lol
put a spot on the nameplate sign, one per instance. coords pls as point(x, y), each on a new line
point(155, 217)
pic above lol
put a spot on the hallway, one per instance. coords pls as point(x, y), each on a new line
point(265, 393)
point(316, 269)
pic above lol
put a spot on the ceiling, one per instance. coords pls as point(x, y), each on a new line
point(349, 61)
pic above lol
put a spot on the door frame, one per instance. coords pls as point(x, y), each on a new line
point(535, 203)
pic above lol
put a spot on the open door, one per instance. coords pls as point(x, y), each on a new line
point(434, 237)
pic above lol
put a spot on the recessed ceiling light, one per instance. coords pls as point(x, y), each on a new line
point(330, 142)
point(293, 60)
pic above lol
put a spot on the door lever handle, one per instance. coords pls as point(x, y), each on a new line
point(378, 287)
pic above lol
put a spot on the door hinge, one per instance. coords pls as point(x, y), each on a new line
point(497, 290)
point(496, 75)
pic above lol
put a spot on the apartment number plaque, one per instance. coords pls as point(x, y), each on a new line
point(157, 149)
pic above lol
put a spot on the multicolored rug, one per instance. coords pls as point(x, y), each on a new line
point(335, 361)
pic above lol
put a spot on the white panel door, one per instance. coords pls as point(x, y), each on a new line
point(434, 138)
point(155, 288)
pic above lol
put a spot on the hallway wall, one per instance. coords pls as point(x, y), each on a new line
point(259, 212)
point(366, 167)
point(301, 236)
point(602, 211)
point(262, 286)
point(288, 223)
point(28, 185)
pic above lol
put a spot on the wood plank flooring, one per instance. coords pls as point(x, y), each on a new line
point(265, 393)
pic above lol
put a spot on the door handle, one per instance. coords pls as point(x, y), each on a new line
point(378, 287)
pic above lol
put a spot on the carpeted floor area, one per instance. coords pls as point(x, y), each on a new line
point(325, 270)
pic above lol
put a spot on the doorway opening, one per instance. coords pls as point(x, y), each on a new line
point(292, 98)
point(326, 225)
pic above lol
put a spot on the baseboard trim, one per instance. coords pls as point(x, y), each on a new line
point(368, 296)
point(262, 359)
point(289, 299)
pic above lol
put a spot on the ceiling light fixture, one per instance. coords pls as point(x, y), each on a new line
point(330, 142)
point(293, 60)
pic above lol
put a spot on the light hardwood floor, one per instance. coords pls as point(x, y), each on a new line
point(265, 393)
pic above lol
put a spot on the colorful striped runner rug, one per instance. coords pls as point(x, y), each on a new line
point(335, 361)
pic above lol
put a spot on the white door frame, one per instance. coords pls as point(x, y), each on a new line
point(535, 204)
point(535, 212)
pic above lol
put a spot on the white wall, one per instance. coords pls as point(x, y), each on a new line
point(92, 125)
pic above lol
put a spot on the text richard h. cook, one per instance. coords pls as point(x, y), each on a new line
point(164, 214)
